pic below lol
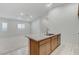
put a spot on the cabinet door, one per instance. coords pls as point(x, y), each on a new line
point(54, 43)
point(45, 49)
point(33, 47)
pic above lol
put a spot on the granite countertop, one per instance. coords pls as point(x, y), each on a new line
point(37, 37)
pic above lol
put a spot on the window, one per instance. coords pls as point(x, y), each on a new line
point(21, 26)
point(4, 26)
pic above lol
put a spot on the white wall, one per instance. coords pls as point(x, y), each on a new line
point(12, 38)
point(35, 27)
point(64, 20)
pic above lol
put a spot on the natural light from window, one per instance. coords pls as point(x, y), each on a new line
point(4, 26)
point(21, 26)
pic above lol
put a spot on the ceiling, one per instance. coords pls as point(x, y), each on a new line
point(26, 11)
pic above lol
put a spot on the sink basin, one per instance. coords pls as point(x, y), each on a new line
point(49, 34)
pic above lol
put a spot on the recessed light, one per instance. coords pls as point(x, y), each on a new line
point(49, 4)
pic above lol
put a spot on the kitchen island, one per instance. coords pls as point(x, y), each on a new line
point(43, 44)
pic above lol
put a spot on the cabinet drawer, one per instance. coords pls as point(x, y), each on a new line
point(44, 41)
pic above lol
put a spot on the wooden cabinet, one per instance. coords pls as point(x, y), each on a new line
point(44, 46)
point(54, 42)
point(34, 47)
point(45, 49)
